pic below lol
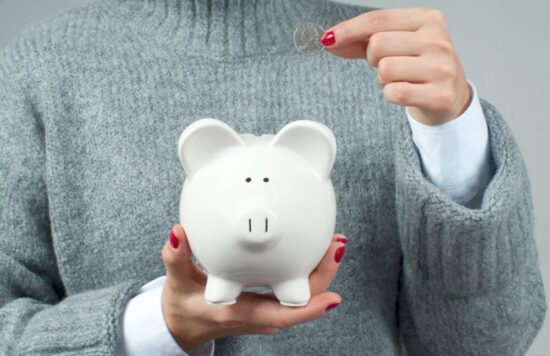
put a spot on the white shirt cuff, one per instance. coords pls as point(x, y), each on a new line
point(143, 330)
point(456, 155)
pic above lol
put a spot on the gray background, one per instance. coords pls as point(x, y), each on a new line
point(504, 48)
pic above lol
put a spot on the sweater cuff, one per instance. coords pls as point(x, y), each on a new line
point(455, 156)
point(456, 250)
point(86, 321)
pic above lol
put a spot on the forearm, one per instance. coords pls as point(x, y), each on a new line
point(85, 323)
point(471, 281)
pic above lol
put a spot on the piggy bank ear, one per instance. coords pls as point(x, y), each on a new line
point(311, 140)
point(202, 140)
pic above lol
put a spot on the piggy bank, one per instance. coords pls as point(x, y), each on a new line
point(257, 210)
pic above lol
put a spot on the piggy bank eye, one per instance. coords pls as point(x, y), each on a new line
point(248, 179)
point(266, 179)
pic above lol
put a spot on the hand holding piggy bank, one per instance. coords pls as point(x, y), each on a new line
point(258, 210)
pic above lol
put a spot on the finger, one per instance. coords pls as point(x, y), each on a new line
point(407, 69)
point(339, 237)
point(262, 312)
point(363, 26)
point(266, 331)
point(176, 256)
point(393, 44)
point(380, 45)
point(320, 278)
point(355, 50)
point(429, 97)
point(197, 274)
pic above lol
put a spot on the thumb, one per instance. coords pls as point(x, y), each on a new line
point(176, 255)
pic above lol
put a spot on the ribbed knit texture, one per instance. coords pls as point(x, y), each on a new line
point(91, 106)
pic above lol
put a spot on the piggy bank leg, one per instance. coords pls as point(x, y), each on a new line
point(221, 291)
point(292, 293)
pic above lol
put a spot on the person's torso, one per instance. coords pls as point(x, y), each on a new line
point(114, 178)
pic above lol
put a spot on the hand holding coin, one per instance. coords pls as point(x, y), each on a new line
point(416, 61)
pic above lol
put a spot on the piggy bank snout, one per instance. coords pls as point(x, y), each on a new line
point(257, 227)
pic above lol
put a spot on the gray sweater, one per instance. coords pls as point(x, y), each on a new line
point(91, 106)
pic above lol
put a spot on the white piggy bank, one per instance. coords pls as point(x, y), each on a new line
point(258, 210)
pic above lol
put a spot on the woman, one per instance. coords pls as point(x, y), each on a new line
point(434, 205)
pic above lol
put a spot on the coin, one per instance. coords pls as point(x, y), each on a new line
point(307, 38)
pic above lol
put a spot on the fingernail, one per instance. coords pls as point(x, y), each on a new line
point(339, 254)
point(342, 238)
point(328, 38)
point(174, 242)
point(331, 306)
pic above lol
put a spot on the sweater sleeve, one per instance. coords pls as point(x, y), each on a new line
point(470, 282)
point(36, 315)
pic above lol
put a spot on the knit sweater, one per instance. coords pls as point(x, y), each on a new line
point(91, 106)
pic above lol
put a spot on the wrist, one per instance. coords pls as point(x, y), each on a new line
point(456, 155)
point(463, 102)
point(187, 333)
point(457, 108)
point(143, 330)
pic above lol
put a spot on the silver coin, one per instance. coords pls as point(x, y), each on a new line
point(307, 38)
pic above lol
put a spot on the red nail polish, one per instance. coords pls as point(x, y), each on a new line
point(339, 254)
point(341, 239)
point(331, 306)
point(328, 38)
point(174, 242)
